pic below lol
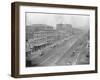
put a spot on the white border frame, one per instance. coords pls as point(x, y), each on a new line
point(54, 69)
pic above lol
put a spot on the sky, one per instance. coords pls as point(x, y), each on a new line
point(77, 21)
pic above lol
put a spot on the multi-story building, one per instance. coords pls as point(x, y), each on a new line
point(40, 35)
point(35, 29)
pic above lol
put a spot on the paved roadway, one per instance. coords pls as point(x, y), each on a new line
point(52, 55)
point(61, 54)
point(76, 53)
point(59, 51)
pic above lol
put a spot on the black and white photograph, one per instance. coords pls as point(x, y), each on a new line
point(53, 39)
point(57, 39)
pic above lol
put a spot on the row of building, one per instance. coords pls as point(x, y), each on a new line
point(39, 36)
